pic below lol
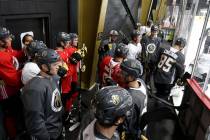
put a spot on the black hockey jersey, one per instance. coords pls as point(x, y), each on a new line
point(169, 63)
point(139, 96)
point(149, 47)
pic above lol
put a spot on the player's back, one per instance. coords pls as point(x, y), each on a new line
point(166, 68)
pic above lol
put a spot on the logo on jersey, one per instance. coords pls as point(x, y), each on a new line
point(115, 99)
point(56, 103)
point(151, 48)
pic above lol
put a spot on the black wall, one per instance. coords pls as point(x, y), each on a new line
point(44, 17)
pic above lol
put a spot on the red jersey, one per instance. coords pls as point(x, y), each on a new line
point(110, 68)
point(10, 77)
point(20, 55)
point(71, 75)
point(64, 55)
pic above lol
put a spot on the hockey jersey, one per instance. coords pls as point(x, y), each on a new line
point(149, 47)
point(139, 96)
point(110, 68)
point(71, 75)
point(169, 65)
point(10, 77)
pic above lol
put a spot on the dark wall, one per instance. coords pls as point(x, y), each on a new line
point(44, 17)
point(73, 16)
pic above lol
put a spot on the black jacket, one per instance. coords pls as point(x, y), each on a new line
point(42, 108)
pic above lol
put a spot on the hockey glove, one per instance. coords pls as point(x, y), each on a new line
point(75, 58)
point(62, 71)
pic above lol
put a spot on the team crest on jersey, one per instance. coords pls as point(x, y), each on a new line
point(56, 103)
point(115, 99)
point(151, 48)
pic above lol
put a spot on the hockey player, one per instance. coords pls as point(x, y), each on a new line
point(107, 47)
point(31, 69)
point(70, 57)
point(10, 84)
point(32, 49)
point(113, 106)
point(8, 72)
point(62, 43)
point(150, 45)
point(42, 101)
point(134, 47)
point(169, 64)
point(132, 70)
point(18, 55)
point(73, 40)
point(110, 67)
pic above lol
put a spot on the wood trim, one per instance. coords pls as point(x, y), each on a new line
point(100, 29)
point(145, 10)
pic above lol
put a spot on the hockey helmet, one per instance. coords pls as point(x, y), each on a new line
point(180, 42)
point(112, 102)
point(62, 37)
point(135, 33)
point(4, 33)
point(132, 67)
point(46, 56)
point(73, 36)
point(34, 47)
point(121, 51)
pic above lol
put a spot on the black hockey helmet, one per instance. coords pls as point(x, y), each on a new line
point(46, 56)
point(62, 37)
point(132, 67)
point(4, 33)
point(154, 28)
point(34, 47)
point(135, 33)
point(73, 36)
point(112, 102)
point(180, 42)
point(121, 51)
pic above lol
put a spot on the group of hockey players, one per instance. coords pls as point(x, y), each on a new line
point(39, 85)
point(145, 65)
